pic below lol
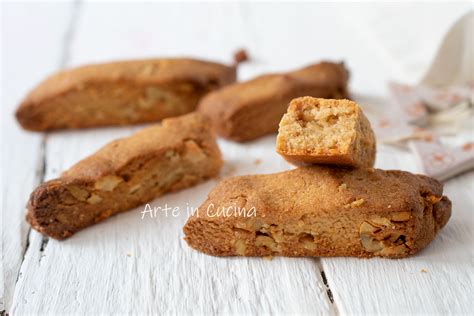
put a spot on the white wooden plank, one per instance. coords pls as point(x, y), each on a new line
point(403, 286)
point(31, 46)
point(127, 264)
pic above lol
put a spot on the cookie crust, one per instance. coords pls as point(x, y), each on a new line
point(124, 174)
point(321, 211)
point(251, 109)
point(121, 93)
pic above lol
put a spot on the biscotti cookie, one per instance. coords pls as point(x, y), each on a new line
point(121, 93)
point(251, 109)
point(320, 211)
point(126, 173)
point(326, 131)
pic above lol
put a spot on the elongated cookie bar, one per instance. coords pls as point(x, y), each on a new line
point(124, 174)
point(326, 131)
point(121, 93)
point(320, 211)
point(251, 109)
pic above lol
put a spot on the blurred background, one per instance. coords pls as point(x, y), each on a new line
point(377, 40)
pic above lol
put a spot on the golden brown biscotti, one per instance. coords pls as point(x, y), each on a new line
point(320, 211)
point(251, 109)
point(121, 93)
point(126, 173)
point(326, 131)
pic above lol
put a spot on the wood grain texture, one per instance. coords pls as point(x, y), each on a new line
point(132, 265)
point(438, 280)
point(22, 152)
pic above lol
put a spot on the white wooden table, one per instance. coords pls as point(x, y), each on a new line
point(130, 265)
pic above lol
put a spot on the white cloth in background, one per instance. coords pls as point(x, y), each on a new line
point(406, 34)
point(440, 104)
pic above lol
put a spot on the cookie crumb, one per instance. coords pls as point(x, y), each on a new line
point(468, 146)
point(240, 56)
point(129, 254)
point(424, 270)
point(383, 123)
point(268, 258)
point(258, 161)
point(438, 157)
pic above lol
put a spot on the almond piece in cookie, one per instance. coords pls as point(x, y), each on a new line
point(320, 211)
point(126, 173)
point(326, 131)
point(121, 93)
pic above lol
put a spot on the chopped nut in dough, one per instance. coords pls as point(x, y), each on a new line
point(266, 241)
point(193, 152)
point(78, 193)
point(380, 221)
point(375, 237)
point(240, 247)
point(355, 204)
point(134, 188)
point(107, 183)
point(401, 216)
point(94, 199)
point(370, 244)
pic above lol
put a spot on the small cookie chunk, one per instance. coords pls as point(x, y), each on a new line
point(126, 173)
point(320, 211)
point(121, 93)
point(326, 131)
point(251, 109)
point(240, 56)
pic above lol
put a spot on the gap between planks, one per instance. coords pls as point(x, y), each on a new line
point(329, 295)
point(42, 161)
point(245, 12)
point(40, 171)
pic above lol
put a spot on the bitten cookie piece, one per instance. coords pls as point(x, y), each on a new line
point(320, 211)
point(322, 131)
point(251, 109)
point(121, 93)
point(124, 174)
